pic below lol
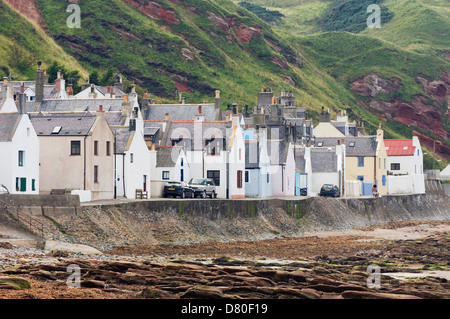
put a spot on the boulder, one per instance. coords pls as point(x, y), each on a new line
point(14, 283)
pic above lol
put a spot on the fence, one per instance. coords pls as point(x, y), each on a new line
point(27, 220)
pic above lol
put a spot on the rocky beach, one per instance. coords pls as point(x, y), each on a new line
point(400, 260)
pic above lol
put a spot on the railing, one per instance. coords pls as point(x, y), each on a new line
point(28, 221)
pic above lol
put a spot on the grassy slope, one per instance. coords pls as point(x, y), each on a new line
point(32, 41)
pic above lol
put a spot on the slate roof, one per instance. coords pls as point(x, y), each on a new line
point(180, 111)
point(252, 154)
point(363, 146)
point(123, 137)
point(77, 105)
point(167, 156)
point(400, 147)
point(277, 150)
point(299, 158)
point(72, 124)
point(323, 160)
point(196, 132)
point(8, 124)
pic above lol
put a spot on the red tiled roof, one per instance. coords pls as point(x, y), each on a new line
point(399, 147)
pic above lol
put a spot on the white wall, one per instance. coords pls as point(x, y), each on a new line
point(352, 188)
point(25, 139)
point(319, 179)
point(406, 184)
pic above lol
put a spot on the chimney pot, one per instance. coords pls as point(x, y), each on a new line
point(100, 108)
point(22, 88)
point(167, 116)
point(199, 109)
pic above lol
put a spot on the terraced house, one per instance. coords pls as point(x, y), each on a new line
point(76, 153)
point(19, 148)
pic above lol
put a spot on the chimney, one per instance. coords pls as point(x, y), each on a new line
point(132, 125)
point(234, 108)
point(69, 90)
point(217, 103)
point(22, 100)
point(199, 109)
point(100, 108)
point(324, 116)
point(40, 84)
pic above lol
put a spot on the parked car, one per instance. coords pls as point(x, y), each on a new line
point(176, 189)
point(3, 189)
point(203, 187)
point(330, 190)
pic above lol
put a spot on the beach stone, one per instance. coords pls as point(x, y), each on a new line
point(14, 282)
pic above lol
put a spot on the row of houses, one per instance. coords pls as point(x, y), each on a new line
point(103, 144)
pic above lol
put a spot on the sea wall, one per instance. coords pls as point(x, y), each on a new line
point(190, 221)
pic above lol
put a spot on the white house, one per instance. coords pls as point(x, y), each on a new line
point(132, 160)
point(282, 170)
point(258, 179)
point(405, 166)
point(169, 163)
point(19, 149)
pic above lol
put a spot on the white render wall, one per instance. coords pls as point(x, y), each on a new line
point(406, 184)
point(25, 139)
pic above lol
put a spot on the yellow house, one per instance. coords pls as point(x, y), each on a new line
point(366, 159)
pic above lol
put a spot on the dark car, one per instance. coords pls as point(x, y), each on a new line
point(203, 187)
point(180, 189)
point(330, 190)
point(3, 189)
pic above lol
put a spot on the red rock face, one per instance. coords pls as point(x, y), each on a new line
point(372, 84)
point(28, 8)
point(420, 112)
point(155, 11)
point(245, 33)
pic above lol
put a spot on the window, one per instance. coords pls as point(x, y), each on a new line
point(360, 178)
point(213, 147)
point(215, 176)
point(239, 179)
point(379, 163)
point(360, 161)
point(108, 148)
point(95, 174)
point(352, 144)
point(395, 166)
point(95, 148)
point(240, 155)
point(33, 184)
point(21, 184)
point(165, 175)
point(28, 131)
point(247, 176)
point(131, 158)
point(268, 178)
point(21, 158)
point(383, 179)
point(75, 148)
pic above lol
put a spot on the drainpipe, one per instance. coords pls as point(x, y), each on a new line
point(123, 174)
point(84, 164)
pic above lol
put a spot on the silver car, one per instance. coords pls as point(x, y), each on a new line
point(203, 187)
point(3, 189)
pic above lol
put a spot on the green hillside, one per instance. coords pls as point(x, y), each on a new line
point(198, 46)
point(23, 43)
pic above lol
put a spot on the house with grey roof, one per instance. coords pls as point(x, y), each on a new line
point(19, 149)
point(132, 161)
point(258, 175)
point(214, 149)
point(317, 166)
point(171, 164)
point(76, 153)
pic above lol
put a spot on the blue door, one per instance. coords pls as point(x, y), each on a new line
point(366, 188)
